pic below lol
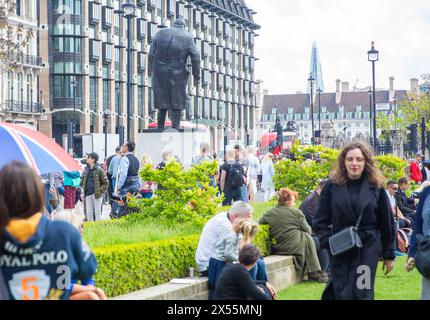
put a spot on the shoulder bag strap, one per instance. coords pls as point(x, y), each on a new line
point(378, 190)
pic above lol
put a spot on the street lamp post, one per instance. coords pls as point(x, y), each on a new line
point(106, 116)
point(319, 110)
point(370, 113)
point(373, 56)
point(311, 80)
point(129, 10)
point(120, 126)
point(395, 125)
point(71, 144)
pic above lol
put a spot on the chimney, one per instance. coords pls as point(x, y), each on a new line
point(391, 92)
point(338, 92)
point(337, 85)
point(345, 86)
point(414, 85)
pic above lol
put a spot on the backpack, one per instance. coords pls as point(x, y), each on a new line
point(235, 176)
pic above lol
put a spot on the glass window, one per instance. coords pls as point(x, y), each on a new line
point(18, 8)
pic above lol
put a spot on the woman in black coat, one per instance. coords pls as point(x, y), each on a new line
point(355, 187)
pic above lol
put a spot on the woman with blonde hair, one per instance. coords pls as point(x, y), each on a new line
point(293, 235)
point(268, 171)
point(227, 247)
point(147, 187)
point(354, 201)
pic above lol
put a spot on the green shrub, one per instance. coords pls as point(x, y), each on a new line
point(391, 166)
point(126, 268)
point(180, 199)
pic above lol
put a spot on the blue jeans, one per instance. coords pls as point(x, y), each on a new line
point(258, 272)
point(114, 204)
point(214, 271)
point(244, 193)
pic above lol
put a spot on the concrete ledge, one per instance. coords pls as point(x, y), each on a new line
point(280, 270)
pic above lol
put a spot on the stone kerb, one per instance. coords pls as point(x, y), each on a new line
point(280, 270)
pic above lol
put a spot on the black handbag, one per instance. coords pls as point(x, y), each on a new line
point(346, 239)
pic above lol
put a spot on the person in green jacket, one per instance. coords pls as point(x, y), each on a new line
point(94, 184)
point(292, 235)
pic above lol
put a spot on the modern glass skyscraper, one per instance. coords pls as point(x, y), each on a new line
point(315, 69)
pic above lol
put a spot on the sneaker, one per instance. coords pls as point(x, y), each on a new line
point(318, 276)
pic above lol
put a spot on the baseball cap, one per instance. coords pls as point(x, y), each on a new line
point(93, 155)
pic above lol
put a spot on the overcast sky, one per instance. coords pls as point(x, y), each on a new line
point(343, 30)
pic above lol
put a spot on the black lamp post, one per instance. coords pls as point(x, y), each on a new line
point(74, 85)
point(22, 99)
point(319, 110)
point(120, 112)
point(311, 80)
point(106, 116)
point(373, 56)
point(129, 10)
point(370, 113)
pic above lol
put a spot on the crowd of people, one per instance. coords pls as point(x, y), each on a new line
point(355, 202)
point(43, 255)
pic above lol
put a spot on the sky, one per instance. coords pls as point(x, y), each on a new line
point(343, 30)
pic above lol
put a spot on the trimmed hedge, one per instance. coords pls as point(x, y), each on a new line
point(126, 268)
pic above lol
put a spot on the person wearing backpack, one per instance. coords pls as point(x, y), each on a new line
point(232, 179)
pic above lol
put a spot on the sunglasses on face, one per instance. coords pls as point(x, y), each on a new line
point(394, 188)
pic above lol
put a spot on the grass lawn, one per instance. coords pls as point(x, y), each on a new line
point(398, 285)
point(113, 232)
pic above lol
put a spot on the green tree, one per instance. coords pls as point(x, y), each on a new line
point(13, 37)
point(185, 195)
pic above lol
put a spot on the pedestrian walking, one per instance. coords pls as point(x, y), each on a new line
point(355, 211)
point(268, 171)
point(232, 179)
point(254, 169)
point(129, 165)
point(72, 181)
point(421, 231)
point(94, 183)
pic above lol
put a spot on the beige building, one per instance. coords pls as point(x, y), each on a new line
point(20, 99)
point(84, 43)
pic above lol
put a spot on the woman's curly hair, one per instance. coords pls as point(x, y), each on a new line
point(285, 195)
point(339, 175)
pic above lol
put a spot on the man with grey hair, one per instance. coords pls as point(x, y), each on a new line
point(204, 154)
point(211, 231)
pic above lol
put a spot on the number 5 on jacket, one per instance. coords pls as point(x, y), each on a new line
point(30, 285)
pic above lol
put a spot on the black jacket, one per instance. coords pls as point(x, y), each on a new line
point(235, 283)
point(309, 206)
point(405, 204)
point(377, 227)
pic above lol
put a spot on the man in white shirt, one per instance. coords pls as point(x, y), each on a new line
point(208, 238)
point(392, 187)
point(254, 169)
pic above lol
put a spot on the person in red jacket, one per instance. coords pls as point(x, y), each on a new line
point(416, 174)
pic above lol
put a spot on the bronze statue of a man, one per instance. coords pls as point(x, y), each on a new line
point(167, 64)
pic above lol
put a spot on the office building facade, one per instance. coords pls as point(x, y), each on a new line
point(85, 44)
point(20, 99)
